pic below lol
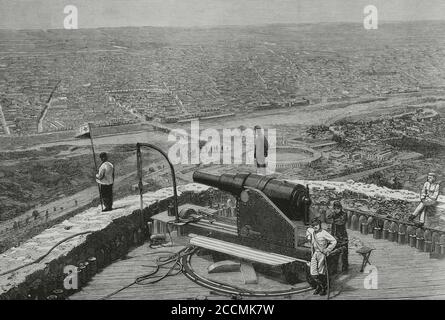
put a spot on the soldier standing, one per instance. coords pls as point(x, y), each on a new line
point(338, 218)
point(322, 243)
point(105, 179)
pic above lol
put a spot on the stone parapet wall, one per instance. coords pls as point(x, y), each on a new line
point(397, 204)
point(113, 234)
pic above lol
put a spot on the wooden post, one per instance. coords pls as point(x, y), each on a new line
point(362, 224)
point(436, 243)
point(87, 271)
point(135, 238)
point(402, 234)
point(124, 245)
point(411, 232)
point(140, 236)
point(93, 266)
point(428, 241)
point(355, 222)
point(150, 227)
point(420, 240)
point(377, 229)
point(393, 229)
point(442, 245)
point(348, 224)
point(370, 223)
point(386, 229)
point(435, 246)
point(80, 275)
point(100, 258)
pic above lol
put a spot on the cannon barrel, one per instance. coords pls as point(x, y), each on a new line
point(292, 199)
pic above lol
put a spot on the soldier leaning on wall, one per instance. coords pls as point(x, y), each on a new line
point(428, 199)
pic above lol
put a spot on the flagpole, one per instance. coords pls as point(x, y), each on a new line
point(95, 163)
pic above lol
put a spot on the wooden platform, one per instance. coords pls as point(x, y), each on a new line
point(402, 273)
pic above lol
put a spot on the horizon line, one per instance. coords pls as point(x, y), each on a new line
point(225, 25)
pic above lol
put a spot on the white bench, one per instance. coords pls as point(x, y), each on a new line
point(243, 252)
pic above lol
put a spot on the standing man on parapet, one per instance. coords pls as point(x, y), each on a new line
point(105, 179)
point(261, 150)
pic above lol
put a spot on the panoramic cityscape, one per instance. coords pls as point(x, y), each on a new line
point(352, 118)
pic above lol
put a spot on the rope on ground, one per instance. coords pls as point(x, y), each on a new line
point(162, 261)
point(180, 264)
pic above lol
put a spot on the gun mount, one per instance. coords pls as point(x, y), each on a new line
point(271, 216)
point(266, 226)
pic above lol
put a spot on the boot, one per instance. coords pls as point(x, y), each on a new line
point(319, 287)
point(324, 284)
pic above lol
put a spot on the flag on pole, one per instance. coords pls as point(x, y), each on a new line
point(83, 131)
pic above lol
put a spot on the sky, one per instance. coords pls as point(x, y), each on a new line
point(48, 14)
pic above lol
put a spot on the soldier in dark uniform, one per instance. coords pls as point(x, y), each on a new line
point(338, 218)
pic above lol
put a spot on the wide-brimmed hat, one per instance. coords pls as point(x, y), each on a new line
point(315, 221)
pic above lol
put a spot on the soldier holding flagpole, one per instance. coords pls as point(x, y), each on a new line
point(85, 132)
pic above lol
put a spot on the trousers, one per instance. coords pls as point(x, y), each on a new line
point(424, 209)
point(106, 192)
point(318, 266)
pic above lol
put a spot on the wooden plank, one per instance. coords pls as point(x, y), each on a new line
point(240, 251)
point(249, 273)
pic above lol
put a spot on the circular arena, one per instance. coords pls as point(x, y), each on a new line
point(294, 157)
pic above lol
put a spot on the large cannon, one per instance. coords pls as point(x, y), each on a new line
point(271, 216)
point(292, 199)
